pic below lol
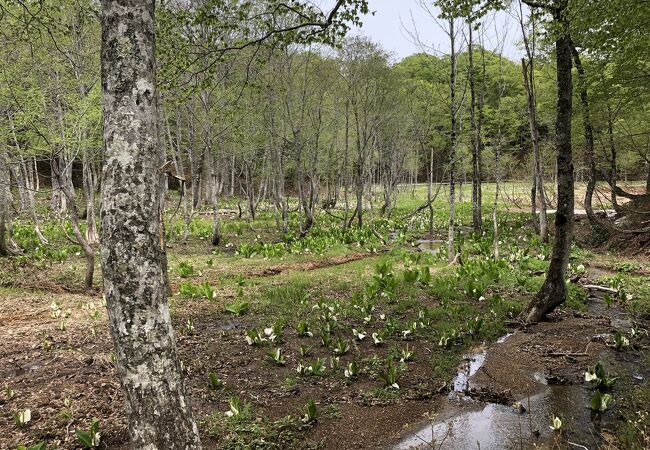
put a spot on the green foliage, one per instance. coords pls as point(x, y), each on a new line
point(390, 374)
point(90, 438)
point(311, 413)
point(253, 337)
point(203, 290)
point(600, 402)
point(620, 341)
point(185, 269)
point(351, 370)
point(39, 446)
point(238, 410)
point(21, 418)
point(238, 307)
point(342, 346)
point(214, 381)
point(277, 357)
point(599, 378)
point(303, 329)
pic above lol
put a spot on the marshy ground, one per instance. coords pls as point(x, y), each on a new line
point(374, 333)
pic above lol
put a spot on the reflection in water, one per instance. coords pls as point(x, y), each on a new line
point(473, 363)
point(429, 245)
point(492, 426)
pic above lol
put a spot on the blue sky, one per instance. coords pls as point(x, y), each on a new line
point(396, 22)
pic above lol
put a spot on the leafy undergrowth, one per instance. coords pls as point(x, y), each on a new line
point(350, 321)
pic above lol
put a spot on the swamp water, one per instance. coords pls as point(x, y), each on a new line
point(466, 423)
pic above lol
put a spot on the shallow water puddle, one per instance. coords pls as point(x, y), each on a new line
point(467, 424)
point(492, 426)
point(472, 365)
point(429, 245)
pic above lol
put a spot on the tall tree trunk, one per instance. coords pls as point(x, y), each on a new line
point(430, 192)
point(133, 260)
point(29, 177)
point(553, 291)
point(477, 218)
point(537, 193)
point(57, 166)
point(216, 224)
point(451, 253)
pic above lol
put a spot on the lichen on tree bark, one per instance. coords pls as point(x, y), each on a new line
point(133, 257)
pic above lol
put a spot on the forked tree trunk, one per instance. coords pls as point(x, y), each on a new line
point(553, 291)
point(67, 189)
point(601, 226)
point(133, 259)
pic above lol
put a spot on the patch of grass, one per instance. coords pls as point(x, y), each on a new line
point(259, 433)
point(634, 431)
point(576, 298)
point(380, 396)
point(444, 364)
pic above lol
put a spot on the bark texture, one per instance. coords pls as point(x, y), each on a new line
point(133, 257)
point(6, 248)
point(553, 291)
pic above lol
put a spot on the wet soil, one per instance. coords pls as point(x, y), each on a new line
point(506, 394)
point(540, 366)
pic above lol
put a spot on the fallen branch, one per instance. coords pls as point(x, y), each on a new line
point(379, 236)
point(595, 287)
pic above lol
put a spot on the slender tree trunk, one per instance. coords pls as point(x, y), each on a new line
point(613, 175)
point(31, 177)
point(451, 253)
point(430, 193)
point(537, 193)
point(30, 184)
point(68, 191)
point(6, 246)
point(89, 193)
point(497, 160)
point(477, 218)
point(602, 226)
point(57, 165)
point(346, 166)
point(553, 291)
point(216, 224)
point(133, 260)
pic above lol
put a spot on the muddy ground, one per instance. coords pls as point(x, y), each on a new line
point(44, 366)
